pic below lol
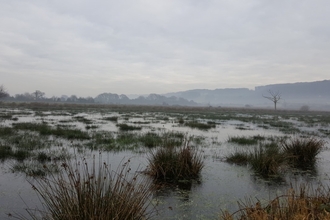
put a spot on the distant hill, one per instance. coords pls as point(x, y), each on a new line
point(152, 99)
point(316, 94)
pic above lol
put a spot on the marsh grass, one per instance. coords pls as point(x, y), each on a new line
point(151, 139)
point(267, 160)
point(305, 203)
point(199, 125)
point(111, 118)
point(302, 151)
point(5, 152)
point(238, 157)
point(83, 119)
point(35, 168)
point(245, 140)
point(173, 165)
point(82, 192)
point(59, 131)
point(6, 131)
point(126, 127)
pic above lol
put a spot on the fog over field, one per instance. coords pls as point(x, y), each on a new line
point(143, 47)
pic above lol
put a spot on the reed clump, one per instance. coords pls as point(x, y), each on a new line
point(269, 159)
point(304, 204)
point(83, 192)
point(175, 164)
point(302, 151)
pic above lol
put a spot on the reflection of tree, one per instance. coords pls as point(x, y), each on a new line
point(274, 97)
point(3, 92)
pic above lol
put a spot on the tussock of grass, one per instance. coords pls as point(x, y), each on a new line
point(271, 158)
point(293, 205)
point(80, 192)
point(267, 161)
point(303, 151)
point(170, 164)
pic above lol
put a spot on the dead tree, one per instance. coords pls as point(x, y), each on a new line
point(274, 97)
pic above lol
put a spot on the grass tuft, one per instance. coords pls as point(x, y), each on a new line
point(303, 151)
point(172, 165)
point(81, 192)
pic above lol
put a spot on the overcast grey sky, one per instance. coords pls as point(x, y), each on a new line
point(86, 47)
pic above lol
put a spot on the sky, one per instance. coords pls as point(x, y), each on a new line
point(87, 47)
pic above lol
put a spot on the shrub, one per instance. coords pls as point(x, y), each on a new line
point(82, 193)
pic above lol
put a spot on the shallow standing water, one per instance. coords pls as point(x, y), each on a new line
point(221, 185)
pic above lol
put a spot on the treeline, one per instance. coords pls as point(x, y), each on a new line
point(40, 97)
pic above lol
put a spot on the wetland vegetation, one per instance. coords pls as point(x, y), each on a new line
point(221, 155)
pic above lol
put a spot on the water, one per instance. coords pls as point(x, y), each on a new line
point(221, 185)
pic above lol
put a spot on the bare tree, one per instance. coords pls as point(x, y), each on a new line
point(274, 97)
point(38, 94)
point(3, 92)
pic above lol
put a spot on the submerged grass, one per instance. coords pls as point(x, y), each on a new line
point(81, 192)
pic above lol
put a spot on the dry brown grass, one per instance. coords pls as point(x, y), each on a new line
point(292, 206)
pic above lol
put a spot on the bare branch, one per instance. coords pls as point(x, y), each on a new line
point(274, 97)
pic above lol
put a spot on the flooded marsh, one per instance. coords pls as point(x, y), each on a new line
point(36, 140)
